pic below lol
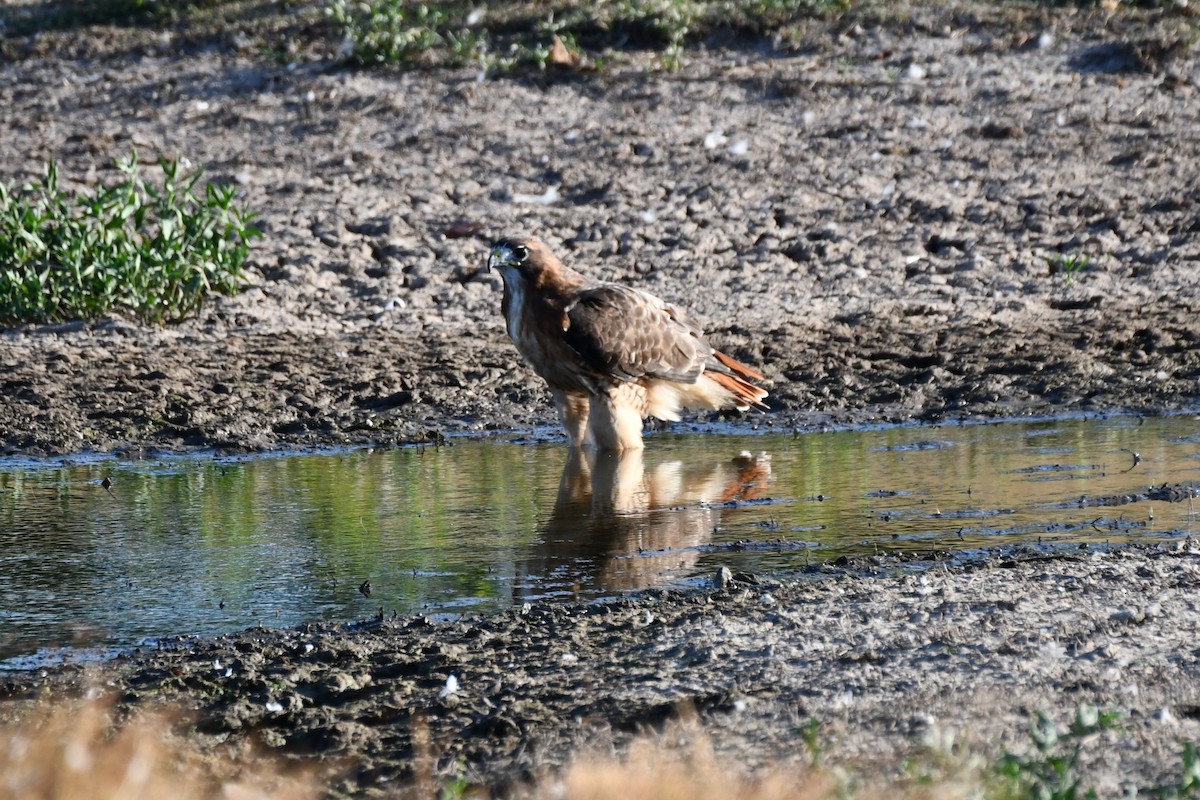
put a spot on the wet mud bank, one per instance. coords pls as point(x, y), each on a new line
point(114, 387)
point(884, 663)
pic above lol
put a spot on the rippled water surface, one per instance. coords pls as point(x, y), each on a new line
point(109, 551)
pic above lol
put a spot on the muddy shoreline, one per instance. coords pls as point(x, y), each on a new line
point(887, 666)
point(111, 387)
point(878, 219)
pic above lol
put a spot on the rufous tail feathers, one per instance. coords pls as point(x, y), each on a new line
point(738, 384)
point(738, 368)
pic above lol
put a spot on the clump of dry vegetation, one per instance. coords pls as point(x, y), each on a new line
point(653, 771)
point(74, 750)
point(81, 749)
point(85, 749)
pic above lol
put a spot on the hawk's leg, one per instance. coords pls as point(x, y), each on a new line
point(573, 411)
point(615, 421)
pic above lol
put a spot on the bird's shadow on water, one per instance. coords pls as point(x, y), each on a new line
point(620, 524)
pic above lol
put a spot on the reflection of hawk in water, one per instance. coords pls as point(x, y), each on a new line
point(619, 524)
point(611, 355)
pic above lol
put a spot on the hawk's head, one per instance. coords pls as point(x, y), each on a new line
point(522, 258)
point(509, 254)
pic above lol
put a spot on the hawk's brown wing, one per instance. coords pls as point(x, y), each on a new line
point(629, 334)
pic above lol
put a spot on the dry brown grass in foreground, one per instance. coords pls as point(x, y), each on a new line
point(651, 772)
point(74, 750)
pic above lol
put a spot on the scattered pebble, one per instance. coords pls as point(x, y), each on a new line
point(546, 198)
point(723, 577)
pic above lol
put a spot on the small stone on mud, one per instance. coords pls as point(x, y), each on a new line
point(272, 738)
point(1052, 651)
point(1132, 616)
point(546, 198)
point(723, 577)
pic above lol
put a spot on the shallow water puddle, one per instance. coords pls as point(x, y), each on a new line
point(203, 545)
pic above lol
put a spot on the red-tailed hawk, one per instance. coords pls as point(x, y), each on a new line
point(611, 355)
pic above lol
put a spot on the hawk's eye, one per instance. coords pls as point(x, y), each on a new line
point(521, 254)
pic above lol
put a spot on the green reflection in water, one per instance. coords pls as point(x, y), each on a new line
point(200, 545)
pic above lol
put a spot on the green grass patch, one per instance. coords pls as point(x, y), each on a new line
point(394, 32)
point(502, 35)
point(1068, 265)
point(1051, 770)
point(155, 251)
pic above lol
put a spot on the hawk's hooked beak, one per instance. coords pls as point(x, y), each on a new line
point(500, 256)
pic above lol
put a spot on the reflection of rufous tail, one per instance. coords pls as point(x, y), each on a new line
point(737, 381)
point(752, 478)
